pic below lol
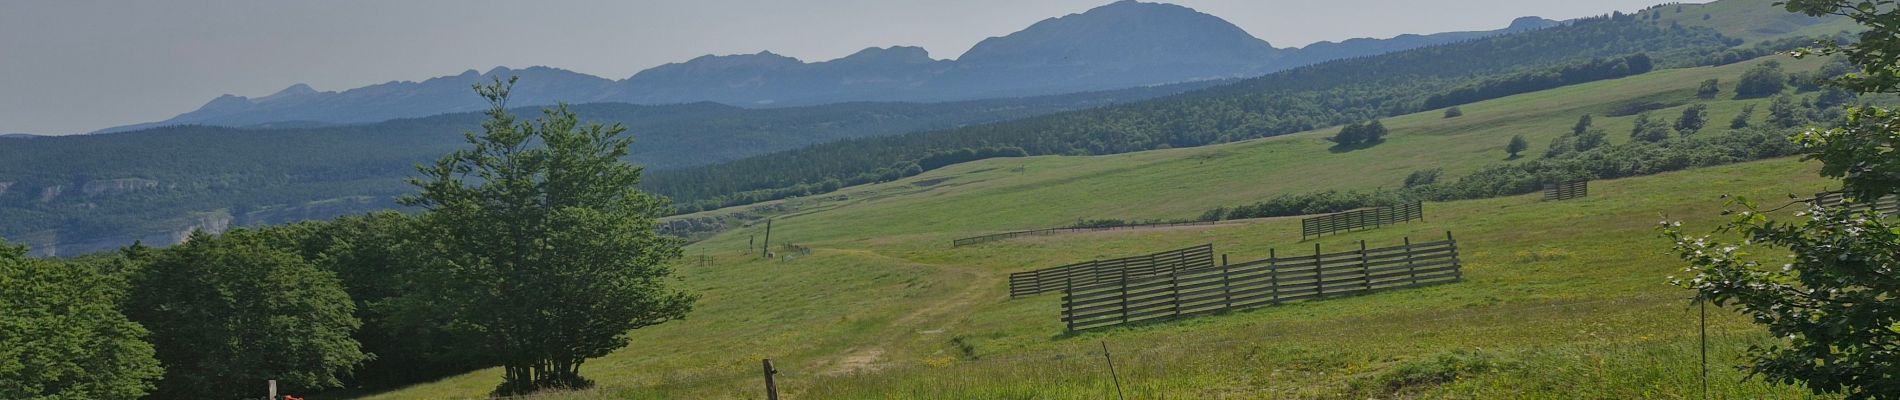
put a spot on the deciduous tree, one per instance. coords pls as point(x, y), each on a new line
point(550, 254)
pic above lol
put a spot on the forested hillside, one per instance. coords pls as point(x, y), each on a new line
point(1305, 98)
point(74, 194)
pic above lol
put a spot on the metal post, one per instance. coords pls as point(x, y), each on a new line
point(273, 389)
point(1111, 370)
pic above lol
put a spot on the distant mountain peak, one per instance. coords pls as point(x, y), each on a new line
point(292, 91)
point(889, 55)
point(1125, 33)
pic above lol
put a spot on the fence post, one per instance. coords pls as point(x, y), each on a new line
point(1226, 294)
point(1411, 272)
point(1457, 267)
point(1124, 297)
point(1174, 292)
point(1319, 279)
point(771, 385)
point(1068, 303)
point(1365, 268)
point(1273, 275)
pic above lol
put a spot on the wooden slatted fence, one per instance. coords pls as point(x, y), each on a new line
point(1274, 280)
point(1364, 218)
point(1566, 190)
point(1098, 271)
point(1889, 205)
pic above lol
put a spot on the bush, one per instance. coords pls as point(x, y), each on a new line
point(1763, 80)
point(1454, 112)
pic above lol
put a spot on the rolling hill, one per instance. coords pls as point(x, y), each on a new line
point(1561, 299)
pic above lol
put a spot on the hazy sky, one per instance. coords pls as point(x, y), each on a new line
point(72, 66)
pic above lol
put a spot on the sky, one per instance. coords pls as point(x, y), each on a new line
point(74, 66)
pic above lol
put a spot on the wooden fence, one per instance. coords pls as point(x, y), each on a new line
point(1364, 218)
point(1054, 231)
point(1098, 271)
point(1566, 190)
point(1271, 281)
point(1885, 206)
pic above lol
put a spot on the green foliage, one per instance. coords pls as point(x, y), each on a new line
point(548, 250)
point(1423, 177)
point(1741, 119)
point(1517, 145)
point(227, 312)
point(62, 335)
point(1783, 112)
point(1650, 129)
point(1763, 80)
point(378, 257)
point(1526, 82)
point(1693, 119)
point(1360, 134)
point(1709, 89)
point(1454, 112)
point(1831, 300)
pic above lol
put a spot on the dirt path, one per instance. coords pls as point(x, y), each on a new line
point(935, 317)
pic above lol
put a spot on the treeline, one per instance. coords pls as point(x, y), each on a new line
point(533, 259)
point(1526, 82)
point(1290, 101)
point(274, 176)
point(1582, 154)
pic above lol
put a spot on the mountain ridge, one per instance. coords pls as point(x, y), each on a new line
point(1119, 45)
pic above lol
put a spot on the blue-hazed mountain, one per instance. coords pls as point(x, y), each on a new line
point(1119, 45)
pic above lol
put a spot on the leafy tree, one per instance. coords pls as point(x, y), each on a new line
point(377, 257)
point(1650, 129)
point(1709, 89)
point(1454, 112)
point(1832, 300)
point(230, 311)
point(1350, 134)
point(1762, 80)
point(1375, 132)
point(1693, 119)
point(62, 335)
point(1583, 124)
point(1785, 113)
point(1518, 145)
point(549, 250)
point(1741, 119)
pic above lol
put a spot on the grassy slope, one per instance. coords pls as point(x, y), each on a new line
point(1569, 297)
point(1753, 20)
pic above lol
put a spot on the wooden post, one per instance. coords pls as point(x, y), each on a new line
point(1457, 268)
point(765, 250)
point(1174, 292)
point(273, 389)
point(1411, 272)
point(1319, 280)
point(771, 385)
point(1273, 275)
point(1124, 297)
point(1068, 302)
point(1365, 268)
point(1227, 297)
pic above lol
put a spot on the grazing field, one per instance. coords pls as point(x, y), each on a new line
point(1559, 299)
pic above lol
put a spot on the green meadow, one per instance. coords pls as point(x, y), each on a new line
point(1561, 300)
